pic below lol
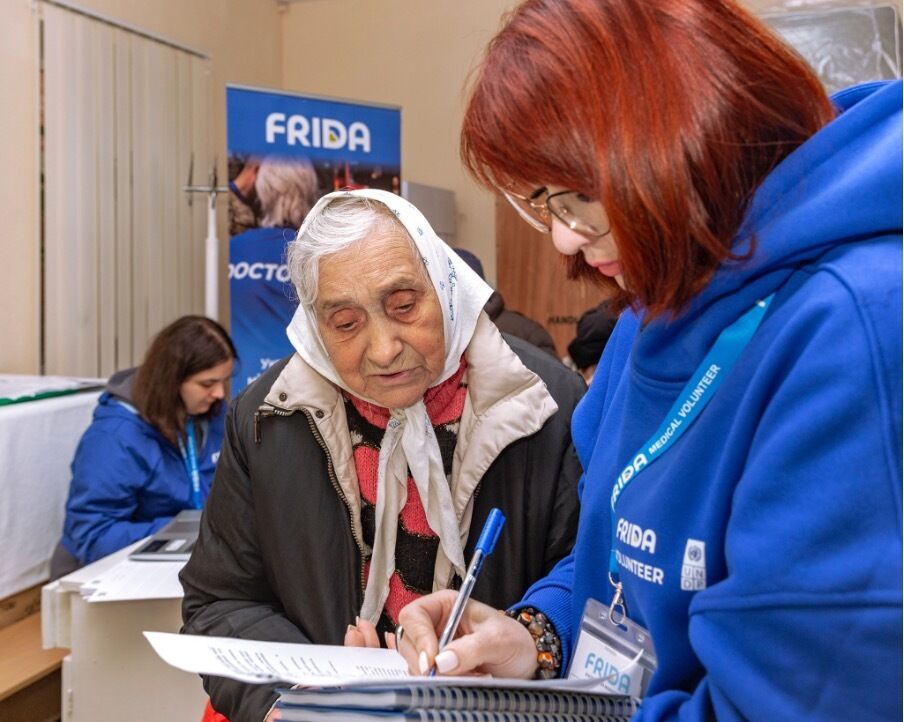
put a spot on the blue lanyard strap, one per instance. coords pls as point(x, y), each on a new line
point(694, 397)
point(190, 458)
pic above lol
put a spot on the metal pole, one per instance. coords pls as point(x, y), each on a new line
point(212, 261)
point(211, 243)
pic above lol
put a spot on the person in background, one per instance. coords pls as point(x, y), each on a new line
point(152, 446)
point(741, 440)
point(594, 328)
point(244, 207)
point(506, 320)
point(356, 475)
point(261, 297)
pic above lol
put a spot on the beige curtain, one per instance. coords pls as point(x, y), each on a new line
point(123, 251)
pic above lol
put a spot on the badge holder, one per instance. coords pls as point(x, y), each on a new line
point(621, 655)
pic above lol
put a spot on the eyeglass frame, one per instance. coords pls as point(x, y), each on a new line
point(543, 207)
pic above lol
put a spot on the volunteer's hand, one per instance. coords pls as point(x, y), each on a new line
point(487, 641)
point(364, 634)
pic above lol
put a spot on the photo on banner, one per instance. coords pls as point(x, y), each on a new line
point(286, 151)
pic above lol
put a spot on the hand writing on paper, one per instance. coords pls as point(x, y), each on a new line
point(364, 634)
point(488, 642)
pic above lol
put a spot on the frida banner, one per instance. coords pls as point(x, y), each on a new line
point(285, 152)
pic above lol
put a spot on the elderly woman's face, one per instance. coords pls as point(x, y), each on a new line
point(381, 321)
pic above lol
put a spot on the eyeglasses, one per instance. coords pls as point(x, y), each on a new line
point(576, 210)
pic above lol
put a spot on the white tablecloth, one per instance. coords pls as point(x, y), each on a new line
point(37, 443)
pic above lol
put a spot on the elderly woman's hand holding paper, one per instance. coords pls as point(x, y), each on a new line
point(356, 474)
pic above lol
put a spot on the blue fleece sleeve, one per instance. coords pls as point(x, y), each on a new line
point(807, 624)
point(107, 473)
point(554, 594)
point(586, 419)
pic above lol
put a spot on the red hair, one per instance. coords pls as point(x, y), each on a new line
point(670, 112)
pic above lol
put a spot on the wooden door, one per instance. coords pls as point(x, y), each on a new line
point(531, 276)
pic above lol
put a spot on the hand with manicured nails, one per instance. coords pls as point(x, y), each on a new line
point(364, 634)
point(488, 641)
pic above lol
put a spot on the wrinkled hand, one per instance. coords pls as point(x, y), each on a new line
point(488, 642)
point(364, 634)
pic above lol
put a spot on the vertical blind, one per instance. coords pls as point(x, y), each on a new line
point(123, 252)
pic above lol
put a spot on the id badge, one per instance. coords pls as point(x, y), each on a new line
point(622, 656)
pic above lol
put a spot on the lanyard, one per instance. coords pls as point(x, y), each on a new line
point(694, 397)
point(190, 457)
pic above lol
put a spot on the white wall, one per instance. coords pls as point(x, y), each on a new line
point(18, 189)
point(411, 53)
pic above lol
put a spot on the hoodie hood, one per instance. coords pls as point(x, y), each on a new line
point(119, 385)
point(842, 184)
point(116, 404)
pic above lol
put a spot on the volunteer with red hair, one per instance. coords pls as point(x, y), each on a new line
point(741, 438)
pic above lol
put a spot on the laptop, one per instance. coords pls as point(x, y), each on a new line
point(173, 542)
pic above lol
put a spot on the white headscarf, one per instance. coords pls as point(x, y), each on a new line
point(409, 441)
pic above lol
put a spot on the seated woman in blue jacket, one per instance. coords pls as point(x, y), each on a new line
point(741, 439)
point(152, 445)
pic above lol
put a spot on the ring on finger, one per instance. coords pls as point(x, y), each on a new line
point(399, 631)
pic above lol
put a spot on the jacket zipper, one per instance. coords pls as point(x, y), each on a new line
point(267, 410)
point(334, 480)
point(264, 412)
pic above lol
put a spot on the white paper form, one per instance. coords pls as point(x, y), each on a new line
point(130, 580)
point(317, 665)
point(252, 661)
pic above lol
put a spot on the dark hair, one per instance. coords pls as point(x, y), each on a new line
point(671, 113)
point(186, 347)
point(594, 328)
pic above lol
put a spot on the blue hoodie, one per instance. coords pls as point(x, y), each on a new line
point(128, 480)
point(262, 301)
point(790, 480)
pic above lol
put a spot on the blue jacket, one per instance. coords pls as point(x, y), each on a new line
point(790, 480)
point(262, 301)
point(127, 479)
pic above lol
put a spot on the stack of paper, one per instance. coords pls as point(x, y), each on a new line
point(354, 684)
point(130, 580)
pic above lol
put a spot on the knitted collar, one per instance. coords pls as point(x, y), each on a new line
point(437, 399)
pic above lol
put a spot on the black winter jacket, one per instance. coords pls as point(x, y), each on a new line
point(517, 324)
point(276, 559)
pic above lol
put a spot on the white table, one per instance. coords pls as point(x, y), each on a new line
point(37, 442)
point(111, 672)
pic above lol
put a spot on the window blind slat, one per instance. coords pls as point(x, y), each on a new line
point(106, 201)
point(122, 193)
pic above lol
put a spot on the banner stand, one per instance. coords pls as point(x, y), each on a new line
point(285, 151)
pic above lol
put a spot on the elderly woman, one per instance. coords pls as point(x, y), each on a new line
point(356, 474)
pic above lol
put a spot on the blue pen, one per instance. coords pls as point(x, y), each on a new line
point(492, 527)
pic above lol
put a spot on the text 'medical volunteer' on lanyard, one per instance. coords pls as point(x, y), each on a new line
point(694, 397)
point(190, 457)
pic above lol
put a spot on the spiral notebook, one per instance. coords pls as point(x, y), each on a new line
point(363, 685)
point(311, 714)
point(453, 703)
